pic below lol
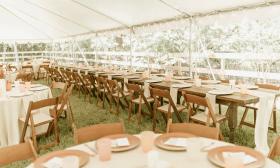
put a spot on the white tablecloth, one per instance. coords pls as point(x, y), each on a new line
point(11, 109)
point(137, 159)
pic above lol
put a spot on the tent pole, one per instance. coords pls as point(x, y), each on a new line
point(190, 47)
point(82, 53)
point(16, 53)
point(131, 50)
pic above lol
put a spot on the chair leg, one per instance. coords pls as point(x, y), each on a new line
point(130, 110)
point(274, 122)
point(34, 138)
point(139, 114)
point(220, 109)
point(243, 117)
point(154, 120)
point(255, 117)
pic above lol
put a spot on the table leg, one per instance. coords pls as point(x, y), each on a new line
point(232, 120)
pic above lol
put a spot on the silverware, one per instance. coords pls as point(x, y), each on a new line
point(91, 149)
point(204, 148)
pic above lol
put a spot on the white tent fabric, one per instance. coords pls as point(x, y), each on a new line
point(54, 19)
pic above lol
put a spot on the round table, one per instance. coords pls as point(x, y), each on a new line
point(11, 109)
point(137, 159)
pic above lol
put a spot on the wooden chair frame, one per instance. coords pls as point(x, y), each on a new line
point(158, 95)
point(29, 121)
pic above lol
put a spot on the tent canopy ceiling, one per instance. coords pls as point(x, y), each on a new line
point(54, 19)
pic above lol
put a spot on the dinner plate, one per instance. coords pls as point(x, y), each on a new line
point(180, 85)
point(160, 141)
point(153, 80)
point(216, 156)
point(250, 87)
point(36, 85)
point(83, 157)
point(181, 77)
point(210, 81)
point(221, 92)
point(38, 88)
point(133, 142)
point(20, 94)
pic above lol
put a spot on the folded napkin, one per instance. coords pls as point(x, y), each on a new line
point(125, 80)
point(146, 89)
point(212, 99)
point(246, 159)
point(120, 142)
point(55, 162)
point(180, 142)
point(86, 148)
point(173, 94)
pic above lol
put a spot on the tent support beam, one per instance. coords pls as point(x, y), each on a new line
point(82, 53)
point(16, 52)
point(100, 13)
point(63, 17)
point(190, 47)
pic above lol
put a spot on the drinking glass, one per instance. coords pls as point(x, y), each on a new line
point(104, 149)
point(147, 140)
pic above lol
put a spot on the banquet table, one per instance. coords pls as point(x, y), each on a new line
point(136, 158)
point(12, 108)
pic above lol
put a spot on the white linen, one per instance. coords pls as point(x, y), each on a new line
point(137, 158)
point(125, 80)
point(146, 89)
point(266, 104)
point(174, 94)
point(11, 109)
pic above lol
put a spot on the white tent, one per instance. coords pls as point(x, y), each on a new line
point(54, 19)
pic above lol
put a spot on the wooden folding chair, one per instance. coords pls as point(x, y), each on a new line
point(94, 132)
point(116, 94)
point(206, 119)
point(65, 106)
point(137, 97)
point(166, 110)
point(195, 129)
point(254, 107)
point(275, 149)
point(101, 91)
point(22, 151)
point(34, 120)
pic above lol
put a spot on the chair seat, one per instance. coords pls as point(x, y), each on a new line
point(256, 106)
point(202, 118)
point(64, 108)
point(120, 95)
point(39, 118)
point(164, 108)
point(137, 101)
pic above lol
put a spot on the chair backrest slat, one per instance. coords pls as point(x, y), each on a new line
point(95, 132)
point(195, 129)
point(17, 152)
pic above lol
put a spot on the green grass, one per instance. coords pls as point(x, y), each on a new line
point(88, 114)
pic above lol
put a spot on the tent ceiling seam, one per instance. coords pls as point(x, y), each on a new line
point(101, 13)
point(63, 17)
point(23, 20)
point(40, 20)
point(174, 8)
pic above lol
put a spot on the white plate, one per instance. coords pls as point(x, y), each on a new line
point(179, 85)
point(15, 94)
point(36, 85)
point(210, 81)
point(221, 92)
point(38, 88)
point(251, 87)
point(153, 80)
point(181, 77)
